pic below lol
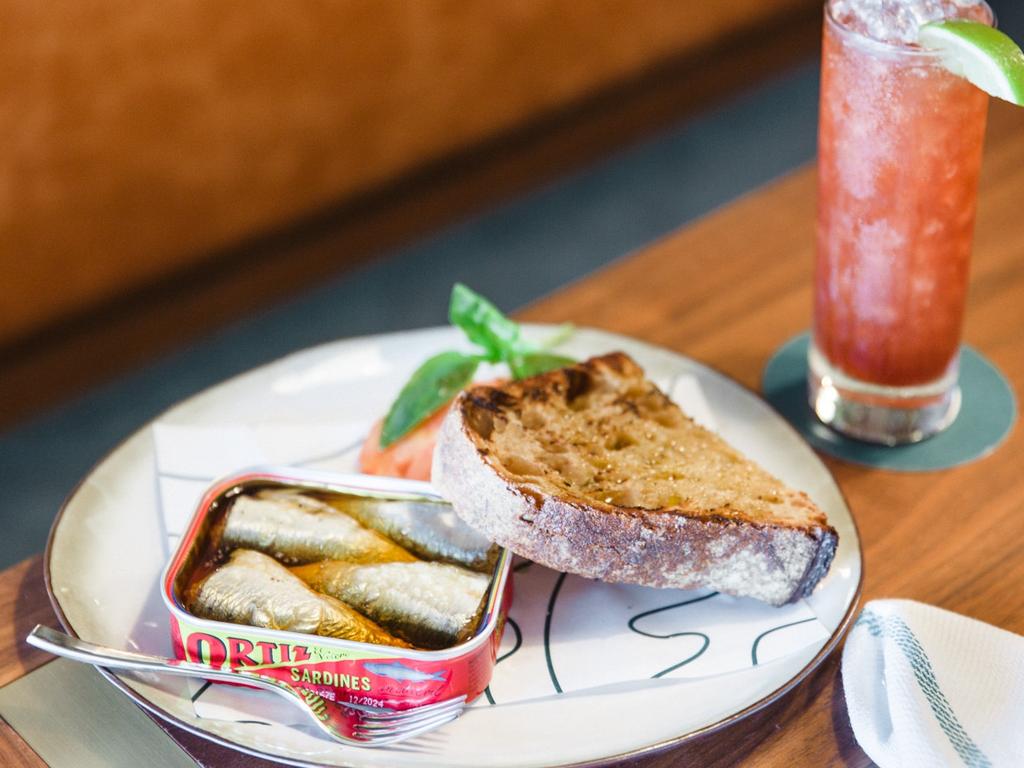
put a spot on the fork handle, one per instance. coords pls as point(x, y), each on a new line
point(61, 644)
point(367, 727)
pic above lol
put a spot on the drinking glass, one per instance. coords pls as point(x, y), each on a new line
point(899, 153)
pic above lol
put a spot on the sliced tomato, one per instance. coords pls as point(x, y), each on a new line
point(409, 457)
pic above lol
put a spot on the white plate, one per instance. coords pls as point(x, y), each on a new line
point(107, 549)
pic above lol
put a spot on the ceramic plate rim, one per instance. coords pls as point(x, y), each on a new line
point(648, 750)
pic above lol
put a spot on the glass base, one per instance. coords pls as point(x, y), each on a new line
point(876, 413)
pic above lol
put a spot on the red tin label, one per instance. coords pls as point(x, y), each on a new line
point(369, 675)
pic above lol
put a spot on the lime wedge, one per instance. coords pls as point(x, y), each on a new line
point(979, 53)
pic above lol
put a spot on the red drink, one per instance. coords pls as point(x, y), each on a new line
point(899, 152)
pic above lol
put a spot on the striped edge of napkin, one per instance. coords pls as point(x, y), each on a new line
point(928, 687)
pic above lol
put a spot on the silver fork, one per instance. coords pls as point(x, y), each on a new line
point(353, 724)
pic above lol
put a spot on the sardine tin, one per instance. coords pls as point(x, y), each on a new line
point(323, 668)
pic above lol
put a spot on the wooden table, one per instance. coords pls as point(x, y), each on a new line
point(728, 291)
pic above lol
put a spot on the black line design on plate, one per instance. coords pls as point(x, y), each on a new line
point(204, 687)
point(688, 659)
point(547, 632)
point(693, 657)
point(201, 691)
point(515, 647)
point(757, 640)
point(519, 640)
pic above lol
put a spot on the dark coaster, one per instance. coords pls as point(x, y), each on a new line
point(987, 413)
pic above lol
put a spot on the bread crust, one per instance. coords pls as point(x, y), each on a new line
point(777, 560)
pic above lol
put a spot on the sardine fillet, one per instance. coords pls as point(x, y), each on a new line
point(256, 590)
point(299, 529)
point(432, 605)
point(431, 530)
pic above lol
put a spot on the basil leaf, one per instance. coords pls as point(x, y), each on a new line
point(433, 384)
point(485, 324)
point(533, 363)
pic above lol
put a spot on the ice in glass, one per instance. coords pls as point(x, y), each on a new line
point(899, 152)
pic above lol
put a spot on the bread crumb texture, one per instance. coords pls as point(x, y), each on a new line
point(601, 434)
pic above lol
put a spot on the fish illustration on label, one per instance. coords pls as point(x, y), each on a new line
point(396, 670)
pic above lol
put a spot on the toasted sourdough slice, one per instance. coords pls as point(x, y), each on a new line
point(591, 469)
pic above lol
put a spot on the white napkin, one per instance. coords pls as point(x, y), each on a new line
point(565, 633)
point(927, 687)
point(190, 457)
